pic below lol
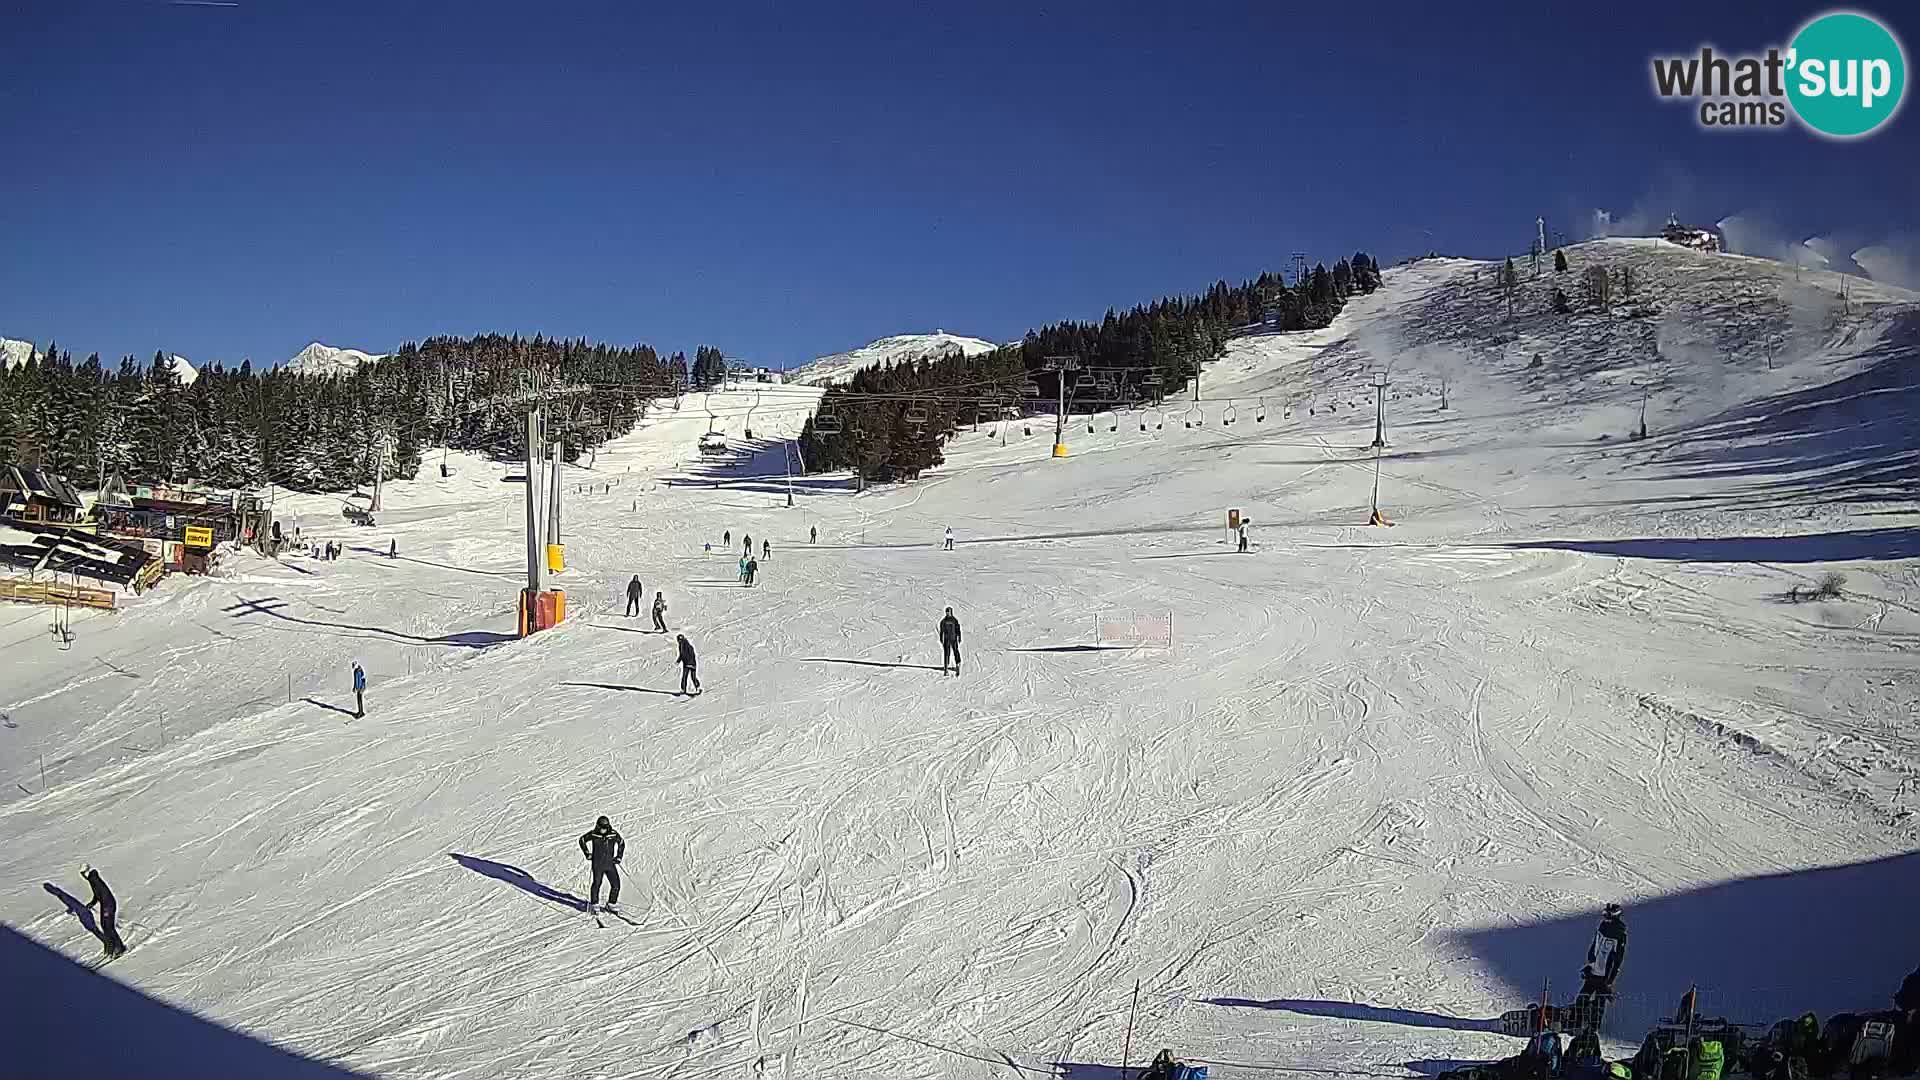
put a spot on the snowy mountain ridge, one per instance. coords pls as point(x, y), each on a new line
point(839, 367)
point(14, 353)
point(321, 359)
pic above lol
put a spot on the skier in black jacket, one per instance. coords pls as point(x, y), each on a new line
point(949, 643)
point(109, 910)
point(689, 665)
point(604, 848)
point(1604, 959)
point(634, 593)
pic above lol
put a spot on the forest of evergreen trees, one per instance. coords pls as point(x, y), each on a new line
point(239, 428)
point(894, 418)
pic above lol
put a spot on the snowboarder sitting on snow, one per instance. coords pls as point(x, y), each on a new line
point(109, 910)
point(604, 848)
point(660, 612)
point(689, 665)
point(949, 643)
point(634, 593)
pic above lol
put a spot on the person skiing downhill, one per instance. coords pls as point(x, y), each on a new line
point(109, 911)
point(359, 691)
point(604, 848)
point(949, 642)
point(689, 664)
point(634, 593)
point(660, 612)
point(1604, 959)
point(949, 538)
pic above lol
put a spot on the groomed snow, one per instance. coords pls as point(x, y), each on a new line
point(1372, 796)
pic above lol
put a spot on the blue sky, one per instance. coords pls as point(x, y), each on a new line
point(784, 180)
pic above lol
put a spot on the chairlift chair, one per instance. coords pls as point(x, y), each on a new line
point(916, 414)
point(1113, 420)
point(1030, 388)
point(1260, 413)
point(1196, 417)
point(1084, 382)
point(1230, 415)
point(826, 424)
point(1154, 379)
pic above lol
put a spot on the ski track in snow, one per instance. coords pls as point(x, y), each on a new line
point(1363, 743)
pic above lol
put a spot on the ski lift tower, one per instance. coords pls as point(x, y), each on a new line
point(1299, 268)
point(1060, 366)
point(1379, 409)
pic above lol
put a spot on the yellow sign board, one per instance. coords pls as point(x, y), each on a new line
point(199, 536)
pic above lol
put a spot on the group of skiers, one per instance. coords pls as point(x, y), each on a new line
point(635, 591)
point(329, 551)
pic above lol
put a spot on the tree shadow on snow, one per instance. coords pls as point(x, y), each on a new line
point(1348, 1010)
point(1887, 544)
point(57, 1010)
point(519, 879)
point(1838, 938)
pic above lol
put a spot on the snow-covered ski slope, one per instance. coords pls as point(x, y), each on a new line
point(1372, 796)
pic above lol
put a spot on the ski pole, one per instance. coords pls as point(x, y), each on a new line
point(1126, 1052)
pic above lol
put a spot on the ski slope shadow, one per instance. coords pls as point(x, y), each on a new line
point(1347, 1010)
point(519, 879)
point(62, 1017)
point(330, 708)
point(271, 605)
point(1887, 544)
point(1824, 940)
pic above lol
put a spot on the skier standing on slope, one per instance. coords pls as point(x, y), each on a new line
point(109, 910)
point(1243, 537)
point(1604, 958)
point(634, 593)
point(813, 534)
point(726, 538)
point(359, 691)
point(753, 570)
point(949, 642)
point(766, 549)
point(689, 665)
point(743, 569)
point(660, 612)
point(949, 538)
point(747, 542)
point(604, 848)
point(393, 548)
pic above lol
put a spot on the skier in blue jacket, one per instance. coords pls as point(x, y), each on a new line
point(359, 691)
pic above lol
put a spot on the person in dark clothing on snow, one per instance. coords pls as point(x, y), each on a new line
point(604, 848)
point(766, 549)
point(1604, 959)
point(949, 643)
point(634, 593)
point(726, 538)
point(109, 910)
point(393, 549)
point(753, 568)
point(660, 612)
point(689, 665)
point(747, 538)
point(359, 691)
point(813, 534)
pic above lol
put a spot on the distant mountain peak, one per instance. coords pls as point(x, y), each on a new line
point(839, 367)
point(322, 359)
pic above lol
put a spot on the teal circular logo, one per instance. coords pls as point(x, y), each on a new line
point(1846, 74)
